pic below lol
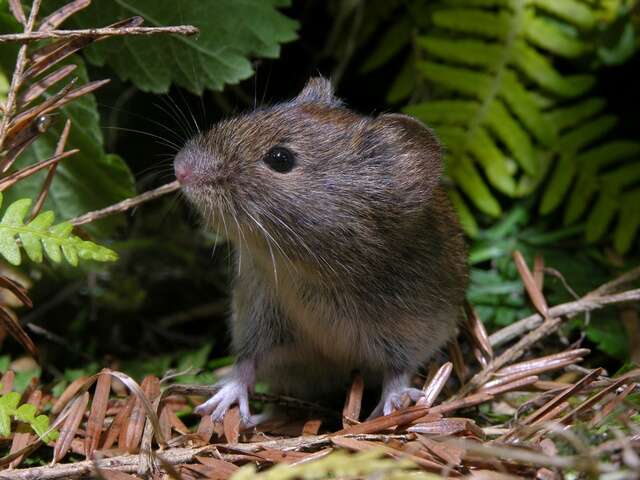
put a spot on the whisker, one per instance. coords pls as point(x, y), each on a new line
point(193, 118)
point(175, 114)
point(146, 118)
point(163, 141)
point(183, 115)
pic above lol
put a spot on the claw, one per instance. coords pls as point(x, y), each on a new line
point(231, 391)
point(394, 392)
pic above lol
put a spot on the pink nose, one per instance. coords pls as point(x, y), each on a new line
point(183, 172)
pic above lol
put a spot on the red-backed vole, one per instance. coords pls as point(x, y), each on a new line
point(348, 253)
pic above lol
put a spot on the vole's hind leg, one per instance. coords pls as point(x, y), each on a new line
point(233, 389)
point(394, 389)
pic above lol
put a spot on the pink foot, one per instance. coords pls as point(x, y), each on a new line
point(394, 391)
point(231, 391)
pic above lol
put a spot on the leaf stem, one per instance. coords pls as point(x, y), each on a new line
point(97, 32)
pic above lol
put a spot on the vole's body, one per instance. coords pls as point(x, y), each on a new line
point(352, 259)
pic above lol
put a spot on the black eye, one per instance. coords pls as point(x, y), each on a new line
point(280, 159)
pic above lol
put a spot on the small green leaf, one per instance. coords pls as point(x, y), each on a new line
point(15, 213)
point(40, 425)
point(56, 239)
point(8, 404)
point(26, 413)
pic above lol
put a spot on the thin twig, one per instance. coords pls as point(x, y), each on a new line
point(44, 190)
point(556, 313)
point(97, 32)
point(125, 204)
point(520, 327)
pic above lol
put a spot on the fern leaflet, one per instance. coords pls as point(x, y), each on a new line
point(40, 234)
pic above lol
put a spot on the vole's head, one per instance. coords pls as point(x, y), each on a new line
point(310, 172)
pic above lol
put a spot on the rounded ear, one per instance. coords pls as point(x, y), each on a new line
point(318, 90)
point(416, 139)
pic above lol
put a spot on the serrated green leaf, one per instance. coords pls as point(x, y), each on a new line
point(39, 233)
point(231, 32)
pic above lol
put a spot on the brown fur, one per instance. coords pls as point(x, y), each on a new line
point(354, 259)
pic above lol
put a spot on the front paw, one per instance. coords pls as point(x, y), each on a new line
point(393, 400)
point(231, 392)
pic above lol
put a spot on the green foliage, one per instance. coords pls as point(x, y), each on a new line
point(340, 464)
point(512, 121)
point(230, 33)
point(25, 413)
point(40, 234)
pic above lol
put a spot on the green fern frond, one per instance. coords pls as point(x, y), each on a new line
point(25, 413)
point(40, 234)
point(512, 122)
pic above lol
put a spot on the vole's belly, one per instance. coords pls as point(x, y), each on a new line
point(325, 348)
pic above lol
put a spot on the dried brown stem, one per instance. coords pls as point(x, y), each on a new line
point(17, 79)
point(125, 205)
point(44, 191)
point(9, 180)
point(587, 303)
point(97, 32)
point(556, 313)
